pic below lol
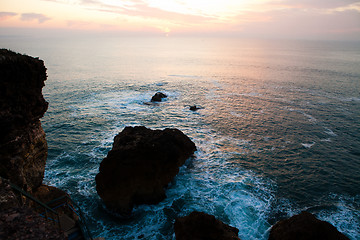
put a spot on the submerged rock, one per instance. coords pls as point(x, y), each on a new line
point(140, 165)
point(202, 226)
point(23, 148)
point(195, 108)
point(158, 97)
point(304, 226)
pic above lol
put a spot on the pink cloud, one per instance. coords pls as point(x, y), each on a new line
point(7, 15)
point(41, 18)
point(320, 4)
point(141, 9)
point(297, 23)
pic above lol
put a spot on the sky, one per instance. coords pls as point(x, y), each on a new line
point(303, 19)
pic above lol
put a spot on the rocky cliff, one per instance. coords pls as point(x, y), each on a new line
point(23, 148)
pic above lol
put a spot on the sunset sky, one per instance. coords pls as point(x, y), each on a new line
point(320, 19)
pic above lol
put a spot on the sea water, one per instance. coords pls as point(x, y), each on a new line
point(279, 131)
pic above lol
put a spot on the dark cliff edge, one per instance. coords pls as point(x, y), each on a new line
point(23, 147)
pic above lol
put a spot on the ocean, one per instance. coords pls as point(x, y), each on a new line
point(279, 131)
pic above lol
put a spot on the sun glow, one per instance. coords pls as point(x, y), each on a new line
point(256, 17)
point(193, 7)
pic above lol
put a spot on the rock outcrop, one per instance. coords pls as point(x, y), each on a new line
point(202, 226)
point(304, 226)
point(23, 148)
point(158, 97)
point(140, 165)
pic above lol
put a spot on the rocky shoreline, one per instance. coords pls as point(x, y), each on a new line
point(136, 171)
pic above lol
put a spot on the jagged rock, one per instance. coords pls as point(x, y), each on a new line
point(23, 148)
point(202, 226)
point(304, 226)
point(140, 165)
point(158, 97)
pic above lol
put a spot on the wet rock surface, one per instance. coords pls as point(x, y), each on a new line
point(202, 226)
point(140, 165)
point(304, 226)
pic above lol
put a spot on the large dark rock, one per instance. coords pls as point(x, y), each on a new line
point(158, 97)
point(202, 226)
point(304, 226)
point(23, 148)
point(140, 165)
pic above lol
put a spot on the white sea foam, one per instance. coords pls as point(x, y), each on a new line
point(252, 94)
point(308, 145)
point(308, 116)
point(326, 140)
point(347, 216)
point(330, 132)
point(311, 118)
point(350, 99)
point(237, 114)
point(184, 76)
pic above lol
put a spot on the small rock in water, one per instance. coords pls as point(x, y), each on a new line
point(194, 108)
point(158, 97)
